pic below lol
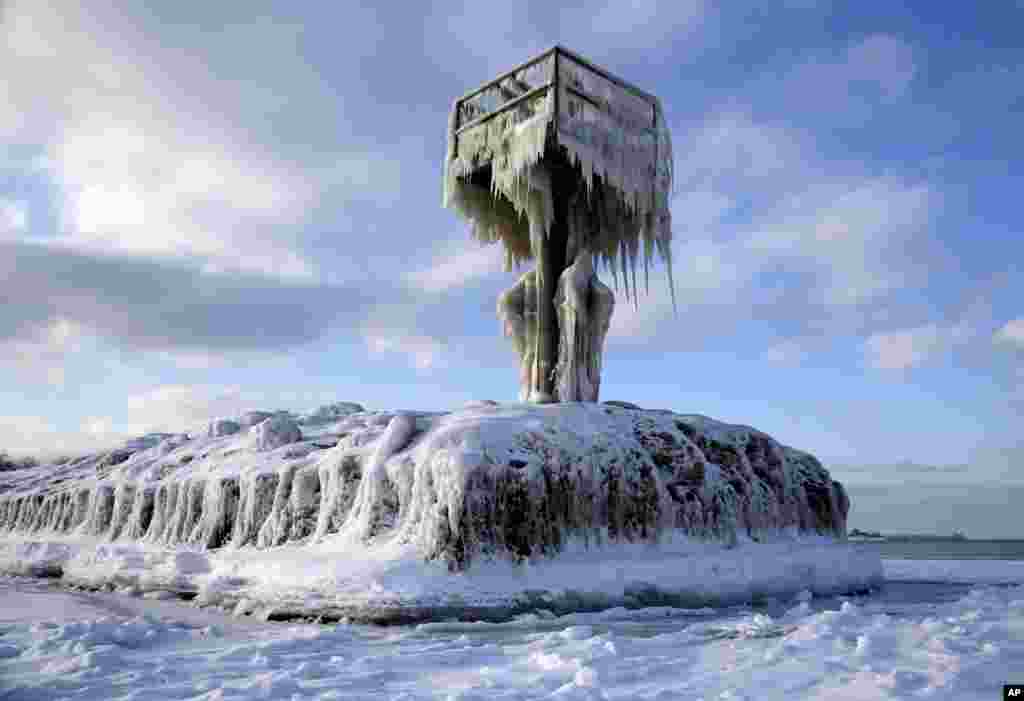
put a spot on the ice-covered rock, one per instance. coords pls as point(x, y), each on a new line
point(147, 441)
point(492, 480)
point(276, 431)
point(329, 413)
point(252, 418)
point(219, 428)
point(172, 442)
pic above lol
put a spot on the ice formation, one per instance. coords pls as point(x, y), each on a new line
point(492, 480)
point(616, 136)
point(584, 307)
point(366, 515)
point(275, 431)
point(559, 149)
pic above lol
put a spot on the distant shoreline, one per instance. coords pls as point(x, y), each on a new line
point(883, 538)
point(956, 536)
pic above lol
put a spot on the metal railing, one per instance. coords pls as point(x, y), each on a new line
point(556, 54)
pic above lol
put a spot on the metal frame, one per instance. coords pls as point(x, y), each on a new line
point(556, 52)
point(505, 106)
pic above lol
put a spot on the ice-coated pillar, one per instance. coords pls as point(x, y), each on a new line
point(585, 307)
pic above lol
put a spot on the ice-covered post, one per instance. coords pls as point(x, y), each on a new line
point(563, 163)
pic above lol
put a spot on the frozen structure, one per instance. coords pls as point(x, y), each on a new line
point(562, 162)
point(333, 501)
point(513, 480)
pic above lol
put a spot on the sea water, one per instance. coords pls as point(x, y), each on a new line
point(929, 549)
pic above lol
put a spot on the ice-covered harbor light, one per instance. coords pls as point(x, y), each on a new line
point(563, 163)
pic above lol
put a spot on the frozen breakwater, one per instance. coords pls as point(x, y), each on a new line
point(488, 510)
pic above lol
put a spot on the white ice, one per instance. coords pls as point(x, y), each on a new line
point(93, 646)
point(336, 576)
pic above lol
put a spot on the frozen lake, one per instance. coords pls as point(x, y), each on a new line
point(945, 630)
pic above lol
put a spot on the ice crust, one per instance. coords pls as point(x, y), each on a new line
point(489, 483)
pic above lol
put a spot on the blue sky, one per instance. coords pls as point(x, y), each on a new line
point(222, 206)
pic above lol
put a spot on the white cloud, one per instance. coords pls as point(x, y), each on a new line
point(172, 408)
point(13, 218)
point(1011, 333)
point(853, 229)
point(195, 360)
point(166, 408)
point(703, 211)
point(705, 274)
point(468, 262)
point(154, 148)
point(831, 82)
point(424, 352)
point(755, 202)
point(638, 24)
point(38, 437)
point(706, 266)
point(41, 353)
point(850, 227)
point(178, 407)
point(496, 36)
point(907, 348)
point(151, 188)
point(788, 353)
point(729, 151)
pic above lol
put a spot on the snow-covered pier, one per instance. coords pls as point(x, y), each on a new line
point(491, 508)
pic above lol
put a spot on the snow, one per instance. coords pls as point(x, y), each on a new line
point(393, 585)
point(940, 643)
point(331, 413)
point(274, 432)
point(222, 427)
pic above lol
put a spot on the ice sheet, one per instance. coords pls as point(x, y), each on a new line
point(805, 648)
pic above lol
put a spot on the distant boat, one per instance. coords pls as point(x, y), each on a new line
point(958, 535)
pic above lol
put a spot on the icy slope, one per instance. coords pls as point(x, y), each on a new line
point(510, 479)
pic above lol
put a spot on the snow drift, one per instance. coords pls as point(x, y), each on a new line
point(490, 482)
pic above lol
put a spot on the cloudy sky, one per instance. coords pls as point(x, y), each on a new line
point(212, 207)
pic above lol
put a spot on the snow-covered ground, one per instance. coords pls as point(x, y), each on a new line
point(930, 633)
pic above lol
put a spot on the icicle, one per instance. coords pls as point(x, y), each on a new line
point(367, 517)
